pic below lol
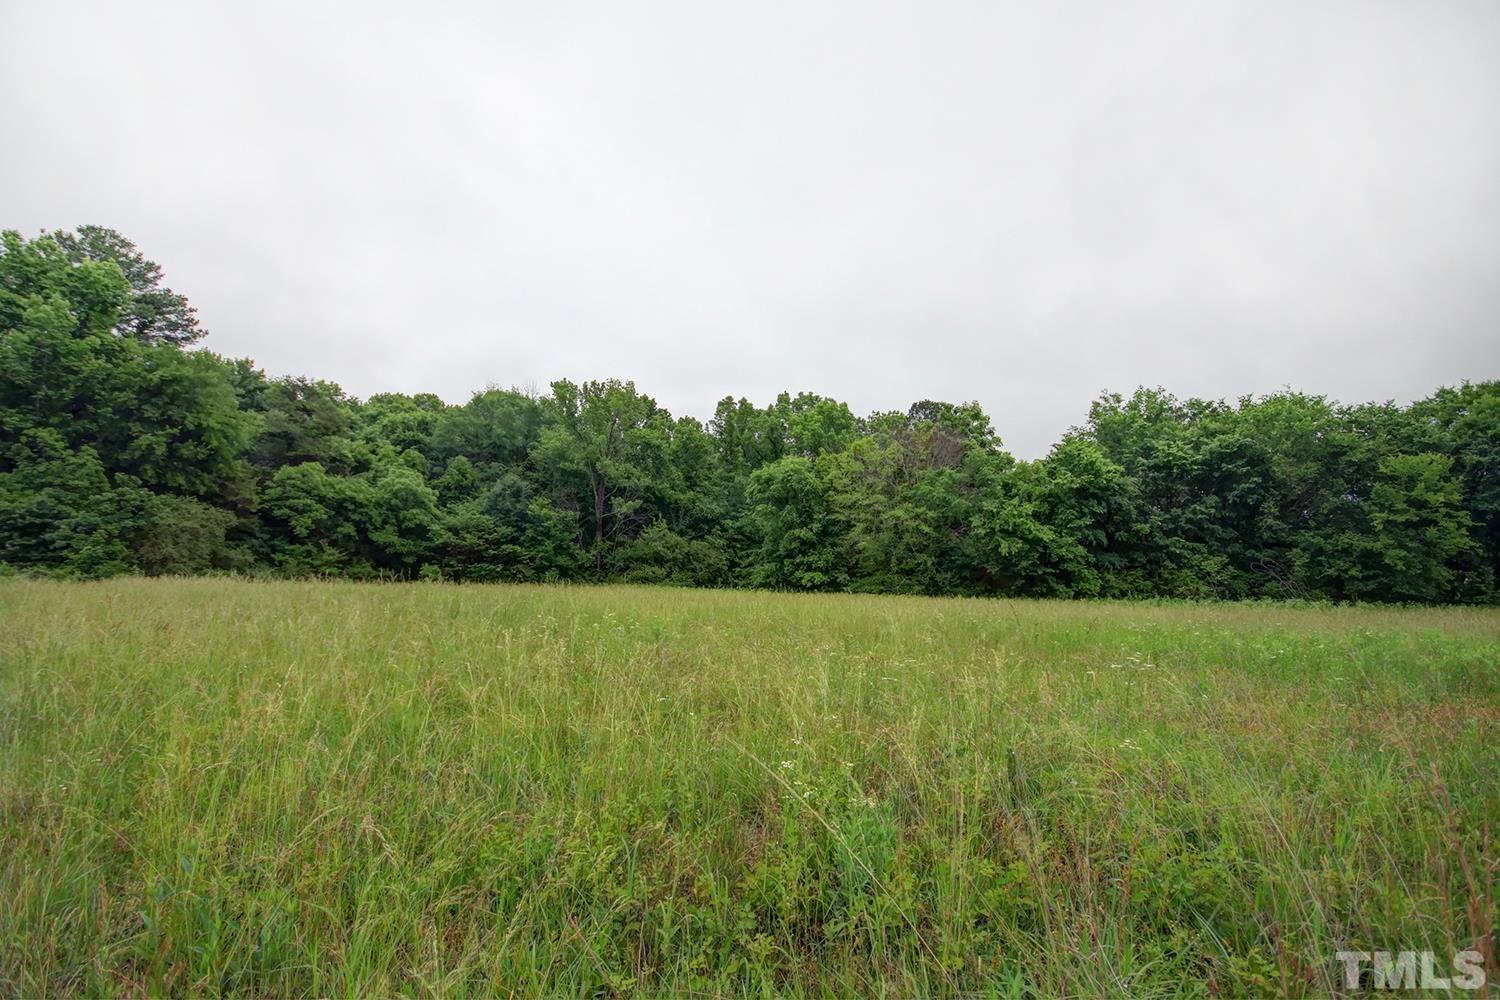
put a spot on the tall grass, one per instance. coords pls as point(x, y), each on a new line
point(210, 786)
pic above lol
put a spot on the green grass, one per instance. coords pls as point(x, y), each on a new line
point(212, 786)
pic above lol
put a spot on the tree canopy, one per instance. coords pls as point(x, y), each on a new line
point(123, 449)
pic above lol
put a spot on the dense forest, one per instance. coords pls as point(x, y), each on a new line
point(124, 448)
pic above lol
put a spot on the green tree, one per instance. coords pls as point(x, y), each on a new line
point(1466, 423)
point(907, 492)
point(165, 417)
point(595, 444)
point(305, 420)
point(59, 513)
point(314, 521)
point(496, 430)
point(1201, 485)
point(660, 555)
point(459, 482)
point(402, 520)
point(815, 425)
point(1419, 529)
point(152, 314)
point(746, 437)
point(797, 538)
point(184, 537)
point(403, 422)
point(508, 533)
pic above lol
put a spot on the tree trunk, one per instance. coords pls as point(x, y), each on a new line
point(598, 522)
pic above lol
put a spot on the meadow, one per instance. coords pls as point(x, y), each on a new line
point(313, 788)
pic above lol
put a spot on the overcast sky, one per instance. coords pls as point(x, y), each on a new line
point(1023, 204)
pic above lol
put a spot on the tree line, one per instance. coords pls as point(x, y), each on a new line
point(126, 449)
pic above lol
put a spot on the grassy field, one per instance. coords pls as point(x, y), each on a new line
point(213, 786)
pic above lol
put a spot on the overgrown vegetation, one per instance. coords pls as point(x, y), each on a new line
point(322, 788)
point(121, 451)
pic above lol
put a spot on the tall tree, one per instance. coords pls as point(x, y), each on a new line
point(305, 420)
point(169, 418)
point(1419, 528)
point(799, 539)
point(122, 452)
point(594, 437)
point(153, 314)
